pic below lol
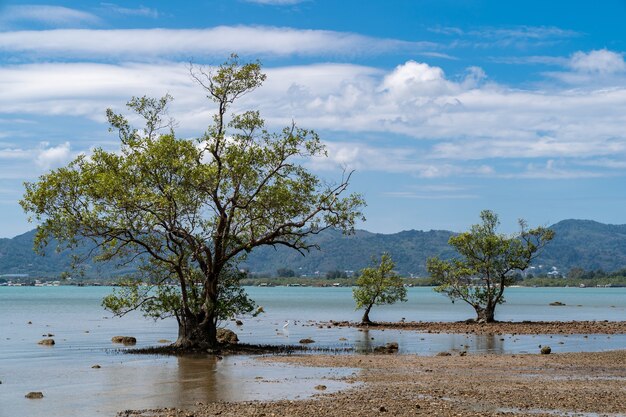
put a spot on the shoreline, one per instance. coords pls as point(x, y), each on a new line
point(585, 327)
point(469, 386)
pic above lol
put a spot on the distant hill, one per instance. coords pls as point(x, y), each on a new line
point(578, 243)
point(586, 244)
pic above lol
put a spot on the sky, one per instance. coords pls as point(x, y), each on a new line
point(443, 108)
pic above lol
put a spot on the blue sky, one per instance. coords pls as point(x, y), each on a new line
point(443, 108)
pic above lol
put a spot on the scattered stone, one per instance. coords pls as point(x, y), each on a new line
point(226, 336)
point(126, 340)
point(557, 304)
point(342, 339)
point(96, 366)
point(444, 354)
point(388, 348)
point(34, 395)
point(305, 341)
point(46, 342)
point(546, 350)
point(239, 323)
point(463, 353)
point(382, 409)
point(320, 387)
point(47, 335)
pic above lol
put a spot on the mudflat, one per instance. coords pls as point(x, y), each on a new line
point(501, 327)
point(568, 384)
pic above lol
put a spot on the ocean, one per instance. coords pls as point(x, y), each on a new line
point(83, 330)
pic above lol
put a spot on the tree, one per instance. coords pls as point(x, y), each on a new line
point(188, 210)
point(285, 273)
point(487, 264)
point(377, 286)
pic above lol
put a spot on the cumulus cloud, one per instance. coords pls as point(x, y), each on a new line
point(51, 16)
point(53, 156)
point(600, 61)
point(184, 43)
point(17, 161)
point(597, 68)
point(462, 125)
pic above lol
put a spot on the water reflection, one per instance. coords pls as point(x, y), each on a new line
point(364, 344)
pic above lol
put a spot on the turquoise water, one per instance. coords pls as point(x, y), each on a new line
point(83, 330)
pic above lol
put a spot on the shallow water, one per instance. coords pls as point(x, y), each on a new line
point(83, 330)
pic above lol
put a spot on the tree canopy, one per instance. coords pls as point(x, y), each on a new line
point(189, 210)
point(487, 263)
point(378, 285)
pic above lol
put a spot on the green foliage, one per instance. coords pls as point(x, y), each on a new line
point(186, 209)
point(158, 301)
point(285, 272)
point(487, 263)
point(335, 274)
point(378, 285)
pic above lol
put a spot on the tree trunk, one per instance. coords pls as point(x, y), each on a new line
point(486, 314)
point(197, 332)
point(366, 316)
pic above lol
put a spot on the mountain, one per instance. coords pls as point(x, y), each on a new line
point(578, 243)
point(586, 244)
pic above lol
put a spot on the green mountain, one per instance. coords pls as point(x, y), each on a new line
point(578, 243)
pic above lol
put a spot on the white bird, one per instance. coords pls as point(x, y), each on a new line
point(286, 324)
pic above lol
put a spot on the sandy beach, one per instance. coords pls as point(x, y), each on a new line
point(565, 384)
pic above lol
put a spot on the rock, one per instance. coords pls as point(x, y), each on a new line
point(96, 366)
point(46, 342)
point(48, 335)
point(382, 409)
point(30, 322)
point(557, 303)
point(444, 354)
point(388, 348)
point(463, 353)
point(164, 341)
point(34, 395)
point(546, 350)
point(320, 387)
point(239, 323)
point(226, 336)
point(342, 339)
point(126, 340)
point(305, 341)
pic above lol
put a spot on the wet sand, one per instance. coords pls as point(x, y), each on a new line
point(564, 384)
point(571, 384)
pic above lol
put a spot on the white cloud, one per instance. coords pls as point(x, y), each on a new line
point(53, 156)
point(521, 37)
point(600, 61)
point(56, 16)
point(139, 11)
point(20, 162)
point(594, 68)
point(197, 43)
point(448, 127)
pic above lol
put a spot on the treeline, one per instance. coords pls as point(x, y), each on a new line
point(579, 277)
